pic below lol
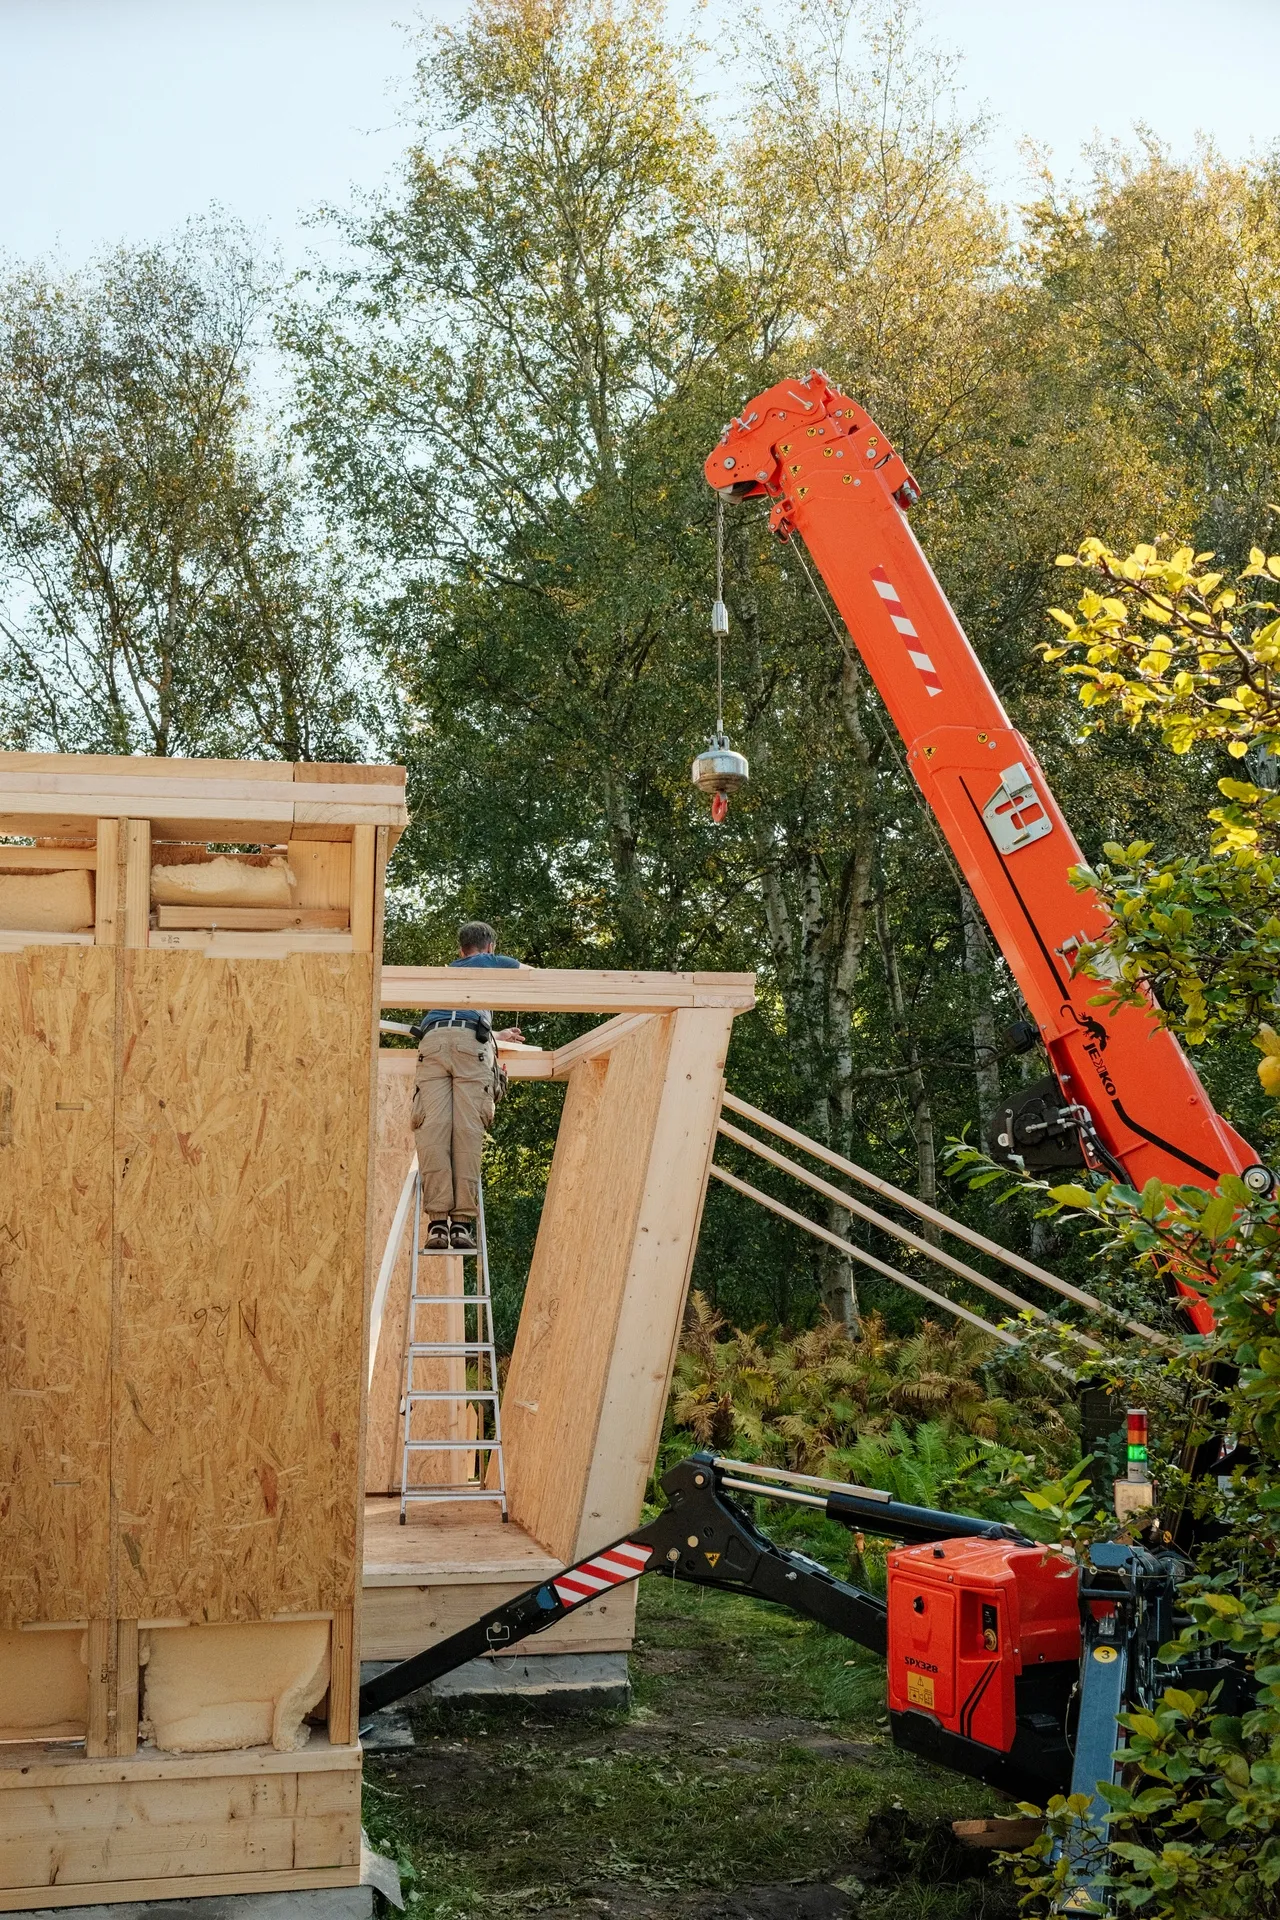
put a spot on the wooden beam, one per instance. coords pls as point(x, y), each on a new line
point(852, 1252)
point(599, 1040)
point(564, 989)
point(46, 859)
point(256, 919)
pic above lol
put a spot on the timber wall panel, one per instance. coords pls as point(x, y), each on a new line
point(577, 1281)
point(652, 1306)
point(57, 1008)
point(243, 1111)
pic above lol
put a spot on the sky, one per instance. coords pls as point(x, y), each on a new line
point(119, 119)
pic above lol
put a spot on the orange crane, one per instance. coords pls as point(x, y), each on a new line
point(1006, 1660)
point(1124, 1097)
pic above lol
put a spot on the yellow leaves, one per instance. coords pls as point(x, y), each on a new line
point(1268, 1042)
point(1063, 618)
point(1069, 560)
point(1237, 749)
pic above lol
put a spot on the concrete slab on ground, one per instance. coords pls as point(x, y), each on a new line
point(314, 1903)
point(552, 1679)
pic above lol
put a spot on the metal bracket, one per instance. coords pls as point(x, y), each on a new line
point(1015, 814)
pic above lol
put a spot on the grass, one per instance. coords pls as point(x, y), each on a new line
point(753, 1777)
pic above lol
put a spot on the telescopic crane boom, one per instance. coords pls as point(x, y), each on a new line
point(1129, 1095)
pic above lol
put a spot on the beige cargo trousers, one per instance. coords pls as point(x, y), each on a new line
point(452, 1111)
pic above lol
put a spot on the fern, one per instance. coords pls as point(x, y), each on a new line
point(940, 1416)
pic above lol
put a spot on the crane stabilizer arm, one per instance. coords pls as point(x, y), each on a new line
point(835, 480)
point(704, 1537)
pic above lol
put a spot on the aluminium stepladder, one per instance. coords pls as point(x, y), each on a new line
point(472, 1394)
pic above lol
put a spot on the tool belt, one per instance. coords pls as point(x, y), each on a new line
point(483, 1030)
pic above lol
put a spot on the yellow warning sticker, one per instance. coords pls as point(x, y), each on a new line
point(1106, 1655)
point(920, 1689)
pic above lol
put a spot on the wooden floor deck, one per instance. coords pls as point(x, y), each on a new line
point(467, 1543)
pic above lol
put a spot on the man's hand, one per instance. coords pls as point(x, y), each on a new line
point(509, 1037)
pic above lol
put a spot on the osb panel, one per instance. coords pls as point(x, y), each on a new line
point(57, 1009)
point(242, 1117)
point(556, 1386)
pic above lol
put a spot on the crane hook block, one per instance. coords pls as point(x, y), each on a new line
point(719, 771)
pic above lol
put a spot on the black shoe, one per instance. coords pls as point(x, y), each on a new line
point(462, 1237)
point(437, 1240)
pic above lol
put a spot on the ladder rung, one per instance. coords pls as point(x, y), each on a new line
point(439, 1347)
point(448, 1253)
point(452, 1493)
point(451, 1446)
point(457, 1393)
point(449, 1300)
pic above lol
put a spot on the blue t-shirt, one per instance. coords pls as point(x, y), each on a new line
point(475, 960)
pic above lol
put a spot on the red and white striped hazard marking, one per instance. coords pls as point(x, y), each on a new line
point(898, 614)
point(609, 1569)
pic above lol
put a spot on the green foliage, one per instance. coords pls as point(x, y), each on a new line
point(164, 587)
point(922, 1417)
point(1171, 647)
point(1193, 1823)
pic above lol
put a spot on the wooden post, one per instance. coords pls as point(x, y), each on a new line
point(370, 848)
point(343, 1680)
point(137, 881)
point(97, 1743)
point(125, 1741)
point(364, 877)
point(106, 885)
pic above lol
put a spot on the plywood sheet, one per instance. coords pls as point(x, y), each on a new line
point(57, 1007)
point(243, 1110)
point(551, 1407)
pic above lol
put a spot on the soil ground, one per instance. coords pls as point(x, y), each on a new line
point(752, 1779)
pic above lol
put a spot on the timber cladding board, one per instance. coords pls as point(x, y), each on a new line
point(135, 1828)
point(241, 1149)
point(577, 1282)
point(57, 1017)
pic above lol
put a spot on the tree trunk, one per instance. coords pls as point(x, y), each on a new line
point(978, 968)
point(917, 1087)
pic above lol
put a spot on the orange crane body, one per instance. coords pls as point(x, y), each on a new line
point(835, 480)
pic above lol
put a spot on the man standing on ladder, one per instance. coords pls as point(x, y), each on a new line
point(453, 1100)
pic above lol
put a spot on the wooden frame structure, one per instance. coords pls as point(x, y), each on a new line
point(185, 1162)
point(192, 1190)
point(591, 1368)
